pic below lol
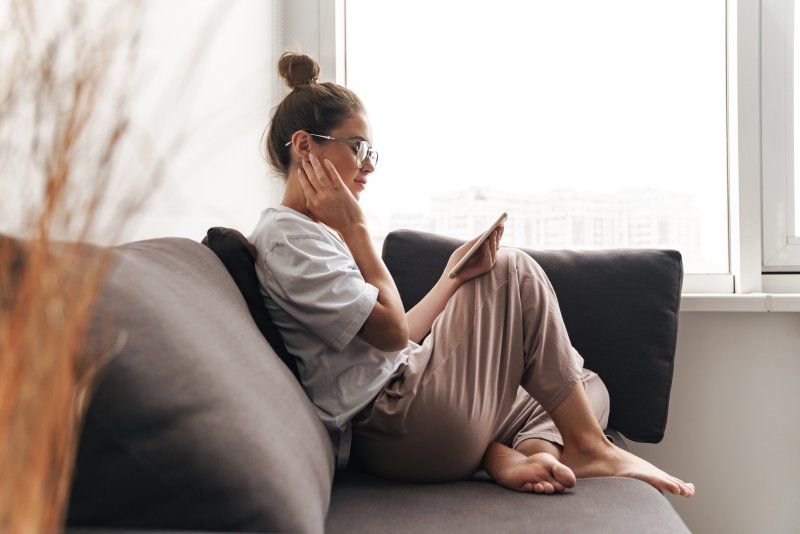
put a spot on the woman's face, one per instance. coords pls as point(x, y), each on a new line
point(343, 155)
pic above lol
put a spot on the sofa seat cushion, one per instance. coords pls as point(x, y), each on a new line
point(196, 424)
point(362, 503)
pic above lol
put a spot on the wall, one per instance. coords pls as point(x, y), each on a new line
point(733, 423)
point(208, 81)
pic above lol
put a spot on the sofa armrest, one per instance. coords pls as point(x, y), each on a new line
point(620, 308)
point(195, 423)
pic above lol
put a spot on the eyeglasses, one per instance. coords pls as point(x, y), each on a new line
point(363, 150)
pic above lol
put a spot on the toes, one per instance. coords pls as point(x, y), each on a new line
point(547, 487)
point(686, 489)
point(664, 485)
point(539, 473)
point(563, 475)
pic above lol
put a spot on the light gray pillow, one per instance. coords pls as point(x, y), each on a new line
point(196, 423)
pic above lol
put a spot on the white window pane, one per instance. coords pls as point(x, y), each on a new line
point(796, 84)
point(594, 124)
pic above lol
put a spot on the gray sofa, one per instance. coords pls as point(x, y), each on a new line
point(199, 423)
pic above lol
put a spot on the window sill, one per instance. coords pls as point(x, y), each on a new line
point(751, 302)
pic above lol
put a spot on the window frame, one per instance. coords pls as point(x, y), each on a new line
point(752, 137)
point(781, 247)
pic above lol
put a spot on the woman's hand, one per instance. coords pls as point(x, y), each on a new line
point(331, 203)
point(420, 318)
point(327, 197)
point(483, 260)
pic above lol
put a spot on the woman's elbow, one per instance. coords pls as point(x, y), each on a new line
point(395, 339)
point(388, 338)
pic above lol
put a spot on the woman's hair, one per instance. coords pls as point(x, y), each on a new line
point(314, 107)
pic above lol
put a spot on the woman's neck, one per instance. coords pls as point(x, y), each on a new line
point(293, 196)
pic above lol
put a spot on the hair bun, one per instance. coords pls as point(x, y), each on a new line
point(298, 69)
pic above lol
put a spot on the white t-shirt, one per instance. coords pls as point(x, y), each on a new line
point(317, 298)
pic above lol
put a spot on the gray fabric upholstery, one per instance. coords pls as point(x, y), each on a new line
point(364, 504)
point(620, 308)
point(196, 424)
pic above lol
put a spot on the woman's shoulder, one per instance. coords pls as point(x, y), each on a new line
point(279, 223)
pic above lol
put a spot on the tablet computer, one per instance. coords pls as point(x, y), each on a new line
point(471, 252)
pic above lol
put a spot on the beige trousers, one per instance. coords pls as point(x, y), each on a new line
point(497, 360)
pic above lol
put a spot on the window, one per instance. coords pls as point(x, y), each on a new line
point(795, 175)
point(780, 245)
point(594, 125)
point(727, 49)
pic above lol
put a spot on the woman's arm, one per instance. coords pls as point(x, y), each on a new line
point(420, 318)
point(386, 327)
point(329, 200)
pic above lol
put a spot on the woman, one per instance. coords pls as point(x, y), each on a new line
point(464, 398)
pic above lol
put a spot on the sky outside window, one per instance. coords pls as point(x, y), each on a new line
point(595, 124)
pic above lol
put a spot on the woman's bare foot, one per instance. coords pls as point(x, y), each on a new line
point(538, 473)
point(607, 459)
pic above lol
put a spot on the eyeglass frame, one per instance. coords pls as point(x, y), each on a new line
point(356, 143)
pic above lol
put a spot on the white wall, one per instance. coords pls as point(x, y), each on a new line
point(734, 422)
point(208, 72)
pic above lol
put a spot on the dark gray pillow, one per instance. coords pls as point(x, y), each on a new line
point(620, 308)
point(239, 257)
point(196, 423)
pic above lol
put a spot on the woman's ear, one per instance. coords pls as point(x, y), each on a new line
point(301, 144)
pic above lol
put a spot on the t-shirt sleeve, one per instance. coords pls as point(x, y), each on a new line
point(321, 287)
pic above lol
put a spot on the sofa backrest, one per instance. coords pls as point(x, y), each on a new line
point(620, 308)
point(196, 424)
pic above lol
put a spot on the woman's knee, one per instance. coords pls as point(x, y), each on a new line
point(517, 260)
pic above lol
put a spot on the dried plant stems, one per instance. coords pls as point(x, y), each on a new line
point(63, 123)
point(45, 373)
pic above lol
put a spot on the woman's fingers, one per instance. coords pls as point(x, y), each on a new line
point(334, 176)
point(310, 175)
point(485, 259)
point(322, 176)
point(305, 182)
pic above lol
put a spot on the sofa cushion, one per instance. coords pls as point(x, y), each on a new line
point(362, 503)
point(620, 308)
point(239, 257)
point(196, 424)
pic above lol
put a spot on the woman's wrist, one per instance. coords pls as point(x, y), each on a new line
point(447, 285)
point(356, 231)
